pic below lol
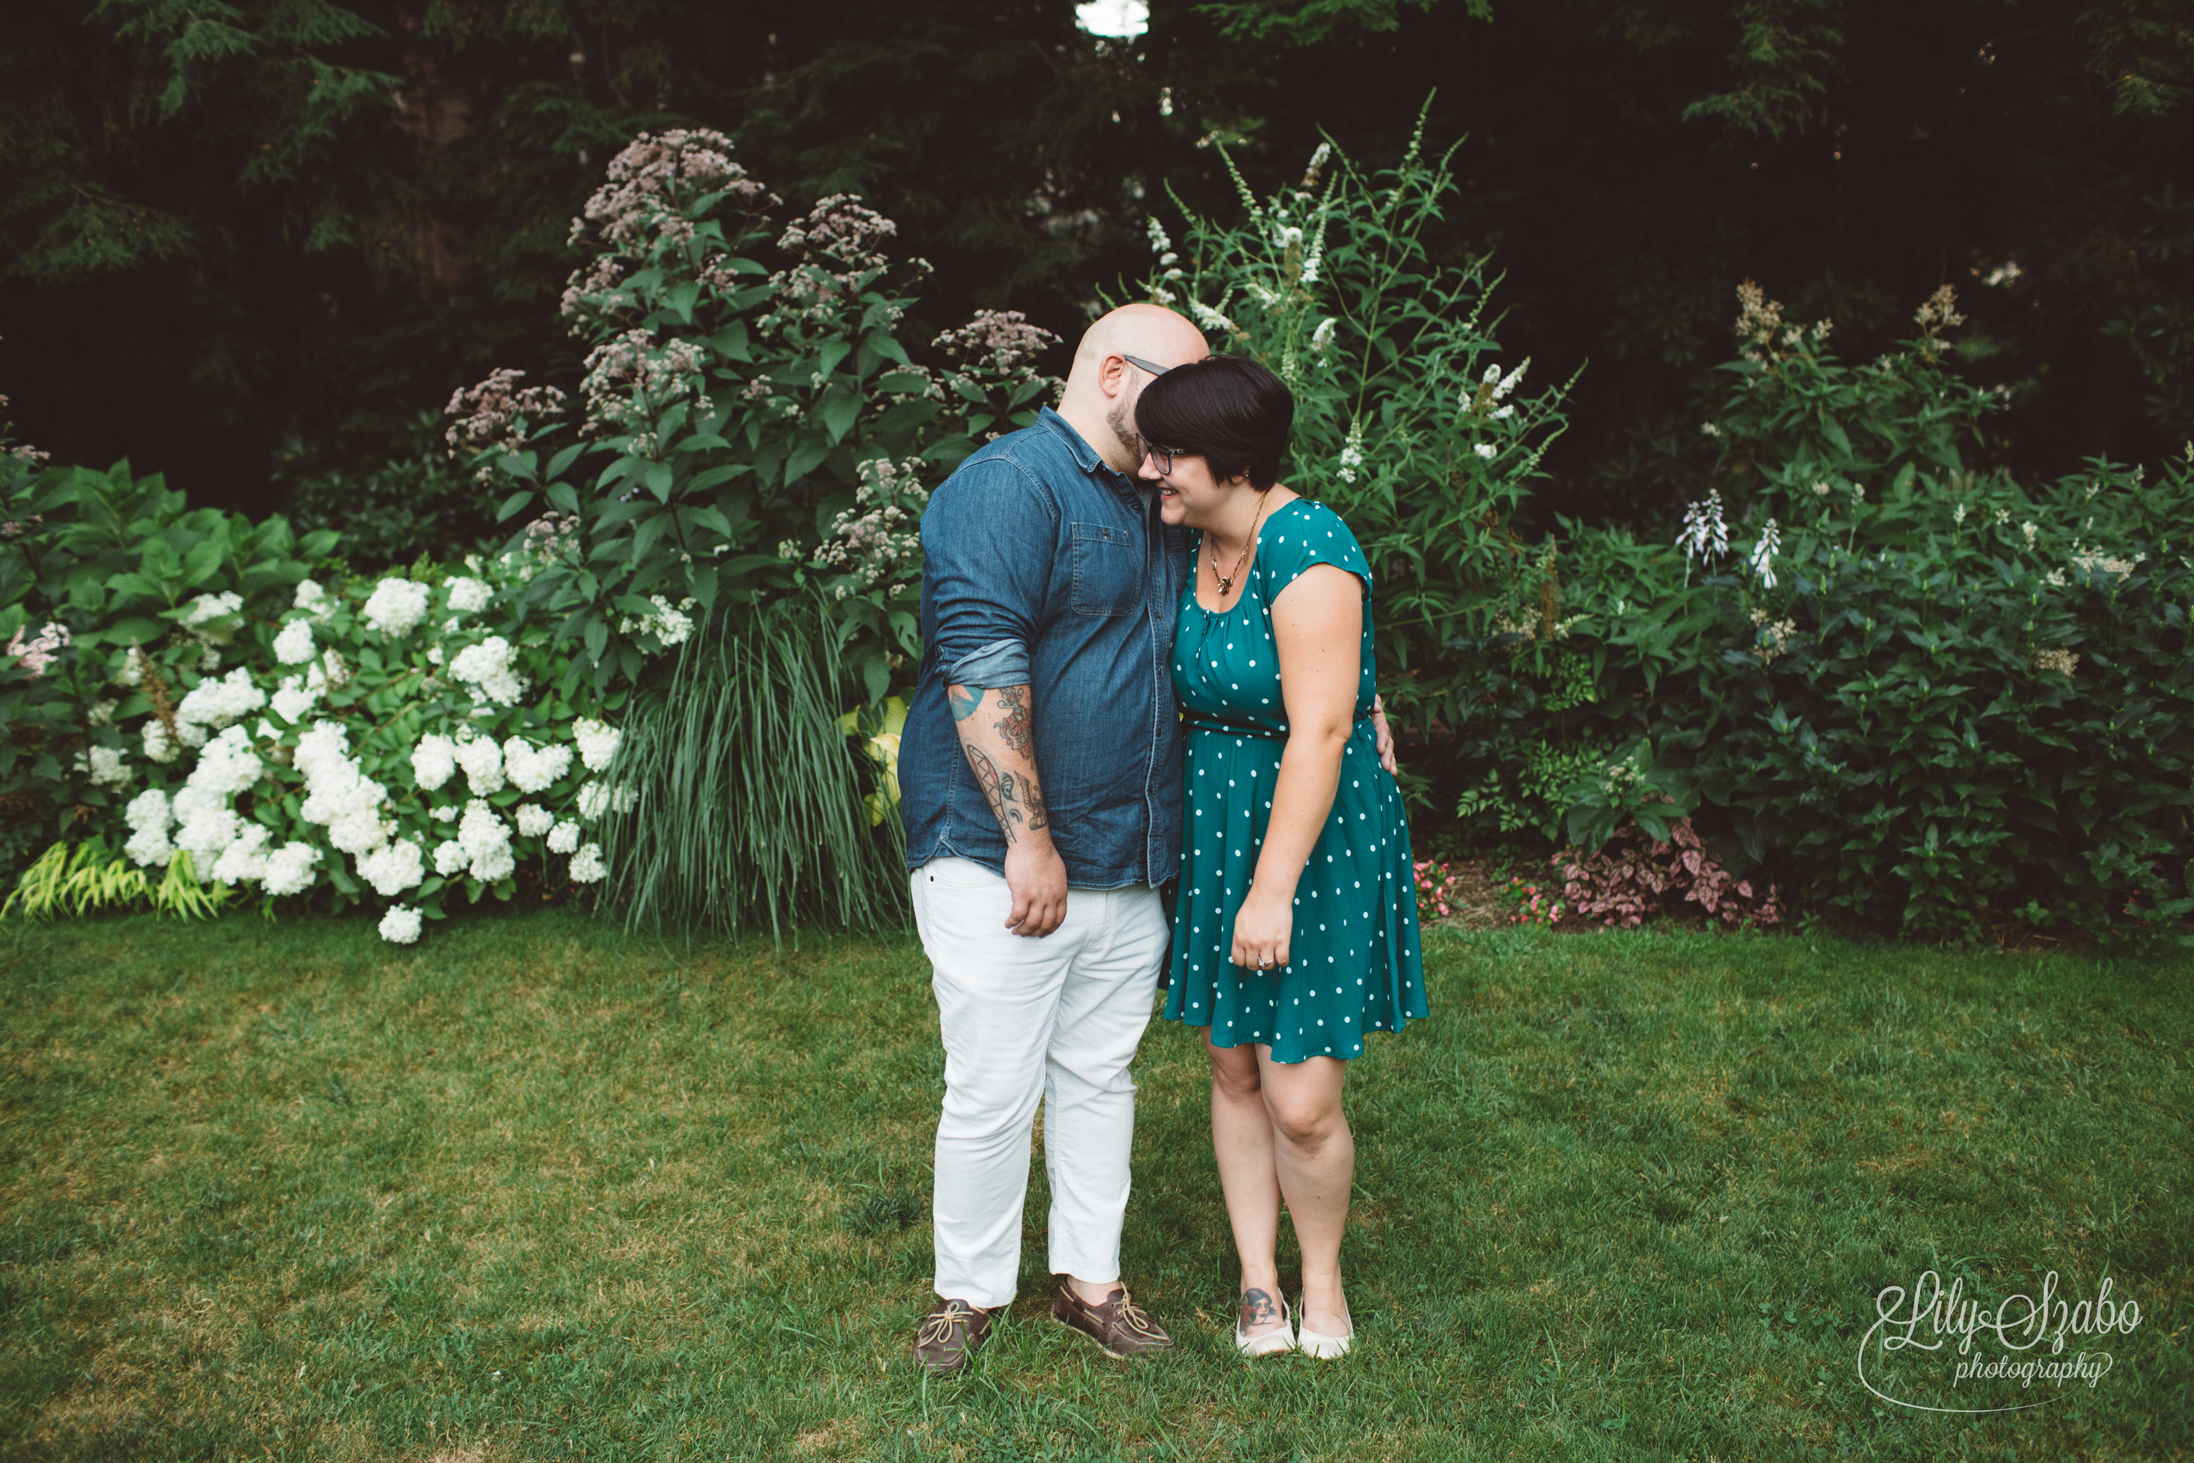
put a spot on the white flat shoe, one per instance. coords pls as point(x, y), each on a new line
point(1266, 1343)
point(1318, 1344)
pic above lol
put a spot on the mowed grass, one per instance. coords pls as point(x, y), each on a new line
point(533, 1189)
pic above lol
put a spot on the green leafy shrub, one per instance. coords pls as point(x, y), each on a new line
point(391, 741)
point(743, 432)
point(1919, 694)
point(92, 565)
point(1408, 421)
point(413, 506)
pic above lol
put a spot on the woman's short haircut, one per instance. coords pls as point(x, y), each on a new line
point(1228, 410)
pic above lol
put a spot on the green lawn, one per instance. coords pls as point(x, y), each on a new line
point(535, 1190)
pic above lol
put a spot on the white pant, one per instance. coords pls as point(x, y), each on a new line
point(1056, 1018)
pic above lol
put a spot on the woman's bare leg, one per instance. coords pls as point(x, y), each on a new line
point(1315, 1162)
point(1242, 1141)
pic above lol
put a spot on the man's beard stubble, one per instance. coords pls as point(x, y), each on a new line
point(1120, 416)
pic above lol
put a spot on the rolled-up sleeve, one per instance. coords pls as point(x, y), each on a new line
point(989, 540)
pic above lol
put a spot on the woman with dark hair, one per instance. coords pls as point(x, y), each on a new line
point(1295, 931)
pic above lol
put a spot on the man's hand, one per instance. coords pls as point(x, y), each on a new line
point(1385, 737)
point(1038, 878)
point(1264, 927)
point(999, 742)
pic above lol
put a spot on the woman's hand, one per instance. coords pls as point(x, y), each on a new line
point(1384, 737)
point(1263, 928)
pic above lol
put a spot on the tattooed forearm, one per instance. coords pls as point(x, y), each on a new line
point(963, 700)
point(1013, 726)
point(1015, 800)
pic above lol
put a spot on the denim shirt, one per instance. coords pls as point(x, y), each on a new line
point(1042, 567)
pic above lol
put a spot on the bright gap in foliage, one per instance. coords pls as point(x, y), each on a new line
point(1128, 18)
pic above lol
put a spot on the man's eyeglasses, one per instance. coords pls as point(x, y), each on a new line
point(1155, 370)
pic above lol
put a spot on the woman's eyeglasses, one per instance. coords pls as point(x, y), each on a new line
point(1163, 456)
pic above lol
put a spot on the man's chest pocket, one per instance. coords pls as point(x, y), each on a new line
point(1108, 565)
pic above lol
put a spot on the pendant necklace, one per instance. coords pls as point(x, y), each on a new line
point(1226, 581)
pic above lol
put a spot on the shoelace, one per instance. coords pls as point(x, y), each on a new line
point(1135, 1316)
point(937, 1326)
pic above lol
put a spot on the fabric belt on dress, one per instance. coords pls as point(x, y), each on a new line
point(1204, 721)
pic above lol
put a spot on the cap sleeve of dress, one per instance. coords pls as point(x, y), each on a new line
point(1309, 533)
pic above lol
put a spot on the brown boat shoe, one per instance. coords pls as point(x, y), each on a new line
point(1119, 1325)
point(948, 1335)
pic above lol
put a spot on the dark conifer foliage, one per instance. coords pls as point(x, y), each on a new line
point(230, 226)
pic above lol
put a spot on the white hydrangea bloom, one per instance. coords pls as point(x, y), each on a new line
point(216, 703)
point(293, 646)
point(400, 926)
point(292, 702)
point(534, 769)
point(623, 798)
point(338, 794)
point(159, 746)
point(433, 761)
point(469, 596)
point(310, 596)
point(587, 867)
point(596, 741)
point(534, 820)
point(593, 800)
point(486, 840)
point(450, 858)
point(209, 826)
point(289, 868)
point(227, 766)
point(149, 847)
point(483, 764)
point(490, 668)
point(564, 837)
point(148, 816)
point(1486, 450)
point(106, 767)
point(396, 606)
point(447, 813)
point(393, 868)
point(213, 607)
point(244, 861)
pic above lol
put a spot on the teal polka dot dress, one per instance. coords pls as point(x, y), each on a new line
point(1353, 957)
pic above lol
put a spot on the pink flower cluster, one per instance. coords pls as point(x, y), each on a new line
point(1531, 905)
point(655, 181)
point(593, 291)
point(840, 227)
point(631, 380)
point(1625, 886)
point(40, 652)
point(997, 342)
point(490, 414)
point(877, 540)
point(1435, 890)
point(549, 535)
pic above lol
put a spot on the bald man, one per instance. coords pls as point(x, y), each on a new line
point(1040, 771)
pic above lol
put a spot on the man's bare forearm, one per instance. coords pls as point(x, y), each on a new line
point(996, 736)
